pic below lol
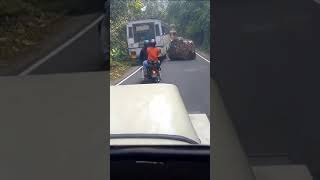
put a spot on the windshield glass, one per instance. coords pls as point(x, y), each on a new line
point(143, 31)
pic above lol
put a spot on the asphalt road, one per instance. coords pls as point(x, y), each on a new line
point(191, 77)
point(83, 55)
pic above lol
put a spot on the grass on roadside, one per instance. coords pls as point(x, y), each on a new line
point(204, 49)
point(23, 24)
point(18, 34)
point(118, 68)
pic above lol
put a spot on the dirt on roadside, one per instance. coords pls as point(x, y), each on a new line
point(118, 69)
point(19, 35)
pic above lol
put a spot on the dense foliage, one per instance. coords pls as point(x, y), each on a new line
point(11, 8)
point(33, 7)
point(23, 23)
point(192, 20)
point(120, 13)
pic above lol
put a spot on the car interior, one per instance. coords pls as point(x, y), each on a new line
point(160, 162)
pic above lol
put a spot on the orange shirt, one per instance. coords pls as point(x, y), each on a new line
point(153, 53)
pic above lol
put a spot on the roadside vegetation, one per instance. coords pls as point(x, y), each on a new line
point(192, 20)
point(120, 13)
point(26, 24)
point(23, 23)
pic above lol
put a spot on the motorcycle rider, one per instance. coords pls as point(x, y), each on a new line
point(143, 53)
point(153, 55)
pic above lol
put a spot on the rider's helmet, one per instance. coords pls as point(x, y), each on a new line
point(153, 42)
point(146, 43)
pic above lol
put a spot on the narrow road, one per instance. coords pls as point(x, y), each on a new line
point(191, 77)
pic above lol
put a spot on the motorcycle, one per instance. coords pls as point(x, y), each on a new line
point(153, 72)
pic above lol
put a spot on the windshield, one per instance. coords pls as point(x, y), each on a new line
point(143, 31)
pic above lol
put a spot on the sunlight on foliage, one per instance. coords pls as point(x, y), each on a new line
point(23, 24)
point(192, 20)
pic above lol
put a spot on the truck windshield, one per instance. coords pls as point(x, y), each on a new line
point(143, 31)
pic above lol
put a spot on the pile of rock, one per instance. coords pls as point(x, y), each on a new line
point(181, 49)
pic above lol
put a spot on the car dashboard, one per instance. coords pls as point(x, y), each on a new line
point(160, 162)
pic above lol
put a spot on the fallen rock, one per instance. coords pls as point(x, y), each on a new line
point(181, 49)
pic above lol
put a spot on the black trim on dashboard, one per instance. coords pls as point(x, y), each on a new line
point(160, 152)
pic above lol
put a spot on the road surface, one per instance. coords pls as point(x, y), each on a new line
point(192, 77)
point(82, 55)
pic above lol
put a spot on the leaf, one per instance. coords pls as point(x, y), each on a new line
point(3, 39)
point(15, 49)
point(28, 43)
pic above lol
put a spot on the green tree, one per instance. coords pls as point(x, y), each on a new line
point(120, 13)
point(154, 9)
point(192, 19)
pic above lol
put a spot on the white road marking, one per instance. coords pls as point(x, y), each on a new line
point(203, 58)
point(128, 76)
point(61, 47)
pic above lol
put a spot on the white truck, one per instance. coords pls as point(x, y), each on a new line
point(147, 29)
